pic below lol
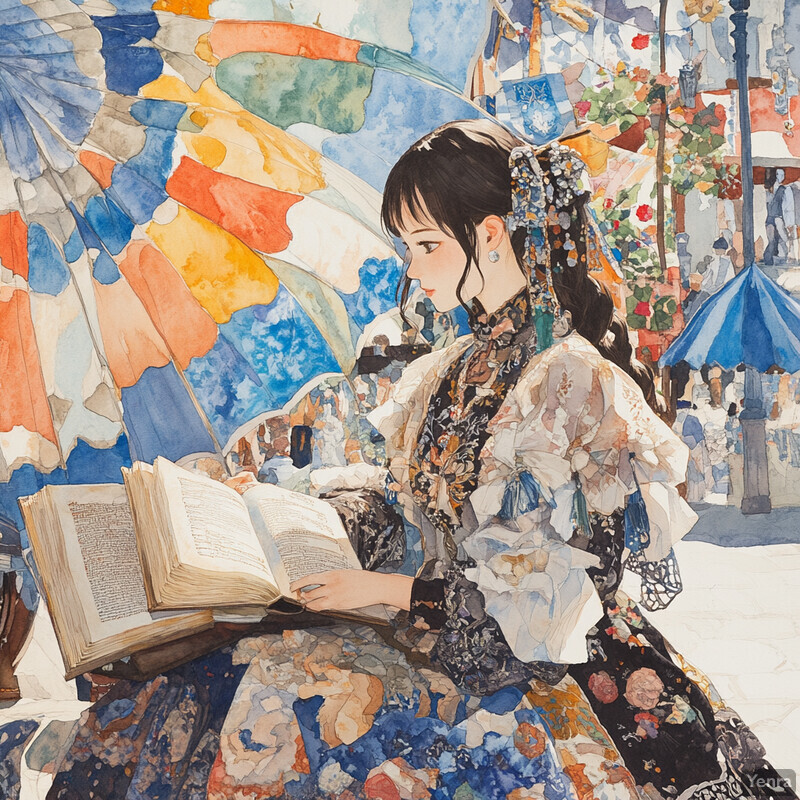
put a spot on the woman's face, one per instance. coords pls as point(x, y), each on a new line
point(436, 260)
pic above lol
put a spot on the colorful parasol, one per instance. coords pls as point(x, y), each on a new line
point(189, 196)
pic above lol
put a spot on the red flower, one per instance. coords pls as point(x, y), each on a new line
point(641, 41)
point(644, 212)
point(609, 202)
point(603, 687)
point(642, 309)
point(583, 107)
point(616, 224)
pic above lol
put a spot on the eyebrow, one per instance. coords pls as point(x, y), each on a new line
point(422, 230)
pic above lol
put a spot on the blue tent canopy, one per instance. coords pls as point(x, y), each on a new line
point(751, 321)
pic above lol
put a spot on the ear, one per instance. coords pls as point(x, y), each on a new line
point(493, 229)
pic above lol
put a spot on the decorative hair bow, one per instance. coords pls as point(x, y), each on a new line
point(537, 200)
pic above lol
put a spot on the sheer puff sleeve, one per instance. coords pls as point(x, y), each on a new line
point(399, 418)
point(575, 413)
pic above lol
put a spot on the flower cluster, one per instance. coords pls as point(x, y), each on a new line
point(633, 100)
point(623, 221)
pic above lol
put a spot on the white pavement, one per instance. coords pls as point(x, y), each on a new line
point(738, 620)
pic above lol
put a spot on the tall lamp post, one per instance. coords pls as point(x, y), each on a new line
point(755, 499)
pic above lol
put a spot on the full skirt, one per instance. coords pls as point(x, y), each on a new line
point(339, 713)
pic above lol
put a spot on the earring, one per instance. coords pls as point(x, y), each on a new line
point(494, 256)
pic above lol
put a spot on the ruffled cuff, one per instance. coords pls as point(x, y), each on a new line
point(427, 603)
point(347, 478)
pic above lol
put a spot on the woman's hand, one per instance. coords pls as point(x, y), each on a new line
point(345, 589)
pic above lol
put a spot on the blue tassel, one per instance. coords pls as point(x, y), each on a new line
point(510, 501)
point(389, 494)
point(580, 514)
point(521, 496)
point(637, 524)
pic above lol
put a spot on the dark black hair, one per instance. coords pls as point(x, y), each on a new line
point(457, 176)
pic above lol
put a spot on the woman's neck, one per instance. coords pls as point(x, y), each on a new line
point(498, 291)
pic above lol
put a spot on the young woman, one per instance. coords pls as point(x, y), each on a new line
point(531, 457)
point(525, 453)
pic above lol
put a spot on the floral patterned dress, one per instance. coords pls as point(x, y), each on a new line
point(441, 706)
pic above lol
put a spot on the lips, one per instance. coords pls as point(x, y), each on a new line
point(428, 292)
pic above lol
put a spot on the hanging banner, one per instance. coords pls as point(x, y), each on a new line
point(537, 107)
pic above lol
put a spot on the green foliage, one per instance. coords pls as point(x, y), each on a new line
point(658, 313)
point(635, 255)
point(663, 309)
point(614, 104)
point(692, 141)
point(639, 297)
point(694, 160)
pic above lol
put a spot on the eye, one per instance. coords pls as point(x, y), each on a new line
point(429, 247)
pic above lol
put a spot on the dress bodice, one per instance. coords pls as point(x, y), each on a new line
point(567, 415)
point(444, 463)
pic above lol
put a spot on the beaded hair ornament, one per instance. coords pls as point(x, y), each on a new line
point(539, 200)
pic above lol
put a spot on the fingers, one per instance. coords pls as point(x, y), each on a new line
point(317, 579)
point(314, 598)
point(324, 591)
point(317, 599)
point(313, 594)
point(321, 604)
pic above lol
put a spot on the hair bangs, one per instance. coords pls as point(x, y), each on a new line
point(417, 190)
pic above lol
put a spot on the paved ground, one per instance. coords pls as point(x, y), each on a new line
point(738, 620)
point(728, 527)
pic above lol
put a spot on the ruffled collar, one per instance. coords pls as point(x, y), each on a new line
point(504, 325)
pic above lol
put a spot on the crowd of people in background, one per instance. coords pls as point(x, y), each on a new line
point(707, 420)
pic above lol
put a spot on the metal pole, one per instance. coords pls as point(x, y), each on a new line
point(755, 462)
point(756, 499)
point(661, 149)
point(739, 35)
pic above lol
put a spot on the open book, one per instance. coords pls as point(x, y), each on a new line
point(126, 568)
point(210, 546)
point(84, 546)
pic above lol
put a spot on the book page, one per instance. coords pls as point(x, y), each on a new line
point(210, 521)
point(300, 534)
point(107, 544)
point(303, 553)
point(83, 540)
point(101, 556)
point(219, 526)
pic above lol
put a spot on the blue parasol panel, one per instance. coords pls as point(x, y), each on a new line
point(751, 320)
